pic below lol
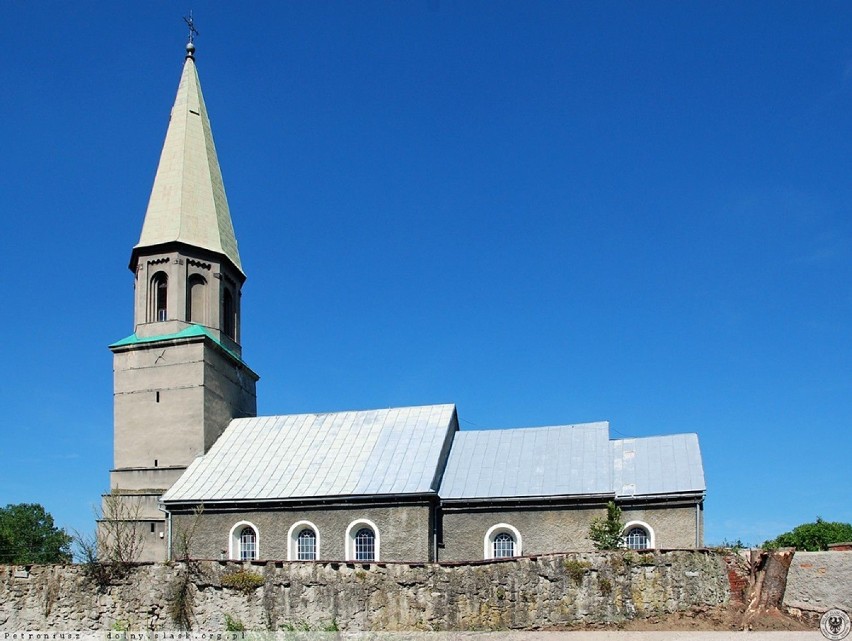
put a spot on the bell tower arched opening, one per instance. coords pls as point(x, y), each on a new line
point(196, 300)
point(158, 305)
point(229, 314)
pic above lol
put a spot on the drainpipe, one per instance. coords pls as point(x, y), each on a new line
point(697, 525)
point(168, 514)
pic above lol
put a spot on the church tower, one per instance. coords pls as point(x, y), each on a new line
point(179, 378)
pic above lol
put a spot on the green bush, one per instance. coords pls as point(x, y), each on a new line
point(812, 537)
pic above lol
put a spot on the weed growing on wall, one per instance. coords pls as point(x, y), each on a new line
point(233, 625)
point(245, 581)
point(305, 626)
point(576, 569)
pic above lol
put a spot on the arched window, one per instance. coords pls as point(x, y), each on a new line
point(303, 542)
point(306, 544)
point(502, 541)
point(244, 542)
point(636, 539)
point(196, 300)
point(362, 541)
point(229, 318)
point(159, 297)
point(365, 545)
point(248, 544)
point(504, 546)
point(638, 536)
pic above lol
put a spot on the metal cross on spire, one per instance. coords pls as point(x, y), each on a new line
point(191, 24)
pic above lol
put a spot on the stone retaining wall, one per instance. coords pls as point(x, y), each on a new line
point(553, 591)
point(819, 581)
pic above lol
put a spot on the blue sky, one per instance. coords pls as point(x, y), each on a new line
point(544, 212)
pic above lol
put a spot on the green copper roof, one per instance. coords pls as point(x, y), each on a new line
point(188, 202)
point(189, 332)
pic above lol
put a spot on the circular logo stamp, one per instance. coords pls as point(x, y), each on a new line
point(835, 625)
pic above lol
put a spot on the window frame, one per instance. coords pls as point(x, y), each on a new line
point(649, 532)
point(229, 314)
point(235, 545)
point(293, 540)
point(493, 532)
point(159, 297)
point(196, 285)
point(349, 541)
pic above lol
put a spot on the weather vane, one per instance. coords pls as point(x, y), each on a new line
point(191, 24)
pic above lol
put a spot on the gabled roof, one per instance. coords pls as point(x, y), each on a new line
point(188, 202)
point(656, 465)
point(529, 462)
point(343, 454)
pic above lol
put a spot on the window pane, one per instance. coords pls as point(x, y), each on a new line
point(307, 545)
point(504, 546)
point(365, 545)
point(637, 539)
point(248, 544)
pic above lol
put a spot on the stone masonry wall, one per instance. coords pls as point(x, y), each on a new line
point(553, 591)
point(819, 581)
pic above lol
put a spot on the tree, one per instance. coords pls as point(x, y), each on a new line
point(607, 533)
point(812, 536)
point(118, 539)
point(28, 535)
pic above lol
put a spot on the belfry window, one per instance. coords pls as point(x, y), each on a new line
point(196, 301)
point(229, 319)
point(159, 297)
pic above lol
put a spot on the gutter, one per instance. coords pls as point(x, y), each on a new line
point(374, 500)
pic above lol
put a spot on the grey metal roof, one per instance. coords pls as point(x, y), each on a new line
point(391, 451)
point(657, 465)
point(529, 462)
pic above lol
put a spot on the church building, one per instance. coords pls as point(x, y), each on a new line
point(399, 484)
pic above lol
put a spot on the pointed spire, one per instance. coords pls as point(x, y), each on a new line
point(188, 203)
